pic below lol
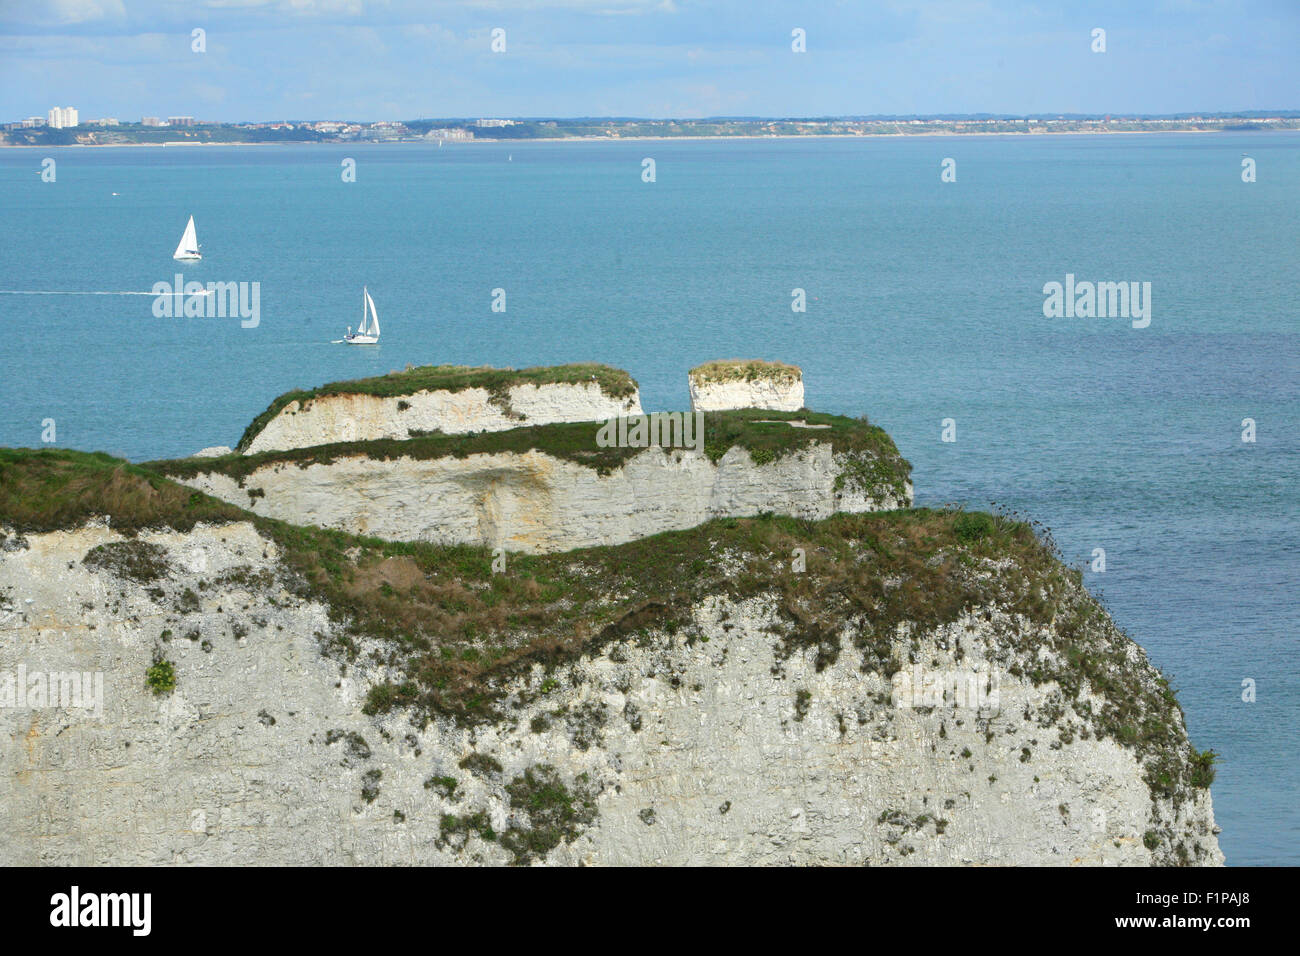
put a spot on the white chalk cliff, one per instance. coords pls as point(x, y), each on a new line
point(349, 417)
point(713, 747)
point(534, 502)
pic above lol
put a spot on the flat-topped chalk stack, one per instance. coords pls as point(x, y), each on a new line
point(451, 399)
point(746, 383)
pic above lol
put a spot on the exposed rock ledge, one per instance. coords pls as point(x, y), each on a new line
point(534, 502)
point(446, 399)
point(735, 736)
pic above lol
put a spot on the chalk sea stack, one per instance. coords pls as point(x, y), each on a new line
point(746, 383)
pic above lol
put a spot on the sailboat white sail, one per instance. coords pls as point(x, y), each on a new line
point(373, 328)
point(188, 248)
point(368, 332)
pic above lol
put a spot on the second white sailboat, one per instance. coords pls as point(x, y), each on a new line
point(368, 332)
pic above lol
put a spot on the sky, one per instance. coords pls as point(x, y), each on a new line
point(406, 59)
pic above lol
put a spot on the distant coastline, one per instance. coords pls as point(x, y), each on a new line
point(484, 141)
point(114, 133)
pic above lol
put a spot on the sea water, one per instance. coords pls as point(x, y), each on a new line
point(924, 312)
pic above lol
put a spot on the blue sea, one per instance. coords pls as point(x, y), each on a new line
point(924, 303)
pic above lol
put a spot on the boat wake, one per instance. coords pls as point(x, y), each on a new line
point(61, 292)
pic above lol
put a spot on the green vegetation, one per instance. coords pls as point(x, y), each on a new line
point(746, 370)
point(1203, 771)
point(160, 677)
point(872, 461)
point(444, 785)
point(902, 824)
point(481, 764)
point(50, 489)
point(614, 382)
point(555, 812)
point(387, 696)
point(458, 828)
point(551, 608)
point(802, 701)
point(370, 784)
point(972, 527)
point(356, 749)
point(137, 561)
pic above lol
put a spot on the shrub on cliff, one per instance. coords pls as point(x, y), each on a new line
point(970, 527)
point(161, 677)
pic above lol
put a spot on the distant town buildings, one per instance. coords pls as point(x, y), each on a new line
point(384, 131)
point(108, 130)
point(62, 117)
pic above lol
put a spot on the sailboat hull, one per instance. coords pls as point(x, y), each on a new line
point(368, 332)
point(187, 258)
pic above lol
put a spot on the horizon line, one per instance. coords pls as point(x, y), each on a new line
point(827, 117)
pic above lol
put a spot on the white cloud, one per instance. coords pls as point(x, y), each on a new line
point(83, 11)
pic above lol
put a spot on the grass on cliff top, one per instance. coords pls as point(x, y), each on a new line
point(614, 382)
point(746, 370)
point(461, 630)
point(457, 631)
point(764, 434)
point(49, 490)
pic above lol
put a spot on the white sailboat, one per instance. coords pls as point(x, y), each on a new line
point(188, 248)
point(368, 333)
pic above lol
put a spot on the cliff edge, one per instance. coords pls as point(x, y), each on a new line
point(555, 487)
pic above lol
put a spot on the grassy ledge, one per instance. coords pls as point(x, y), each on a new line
point(52, 490)
point(614, 382)
point(745, 370)
point(874, 460)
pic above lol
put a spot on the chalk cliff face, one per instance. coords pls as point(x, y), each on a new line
point(720, 386)
point(721, 396)
point(534, 502)
point(360, 417)
point(738, 737)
